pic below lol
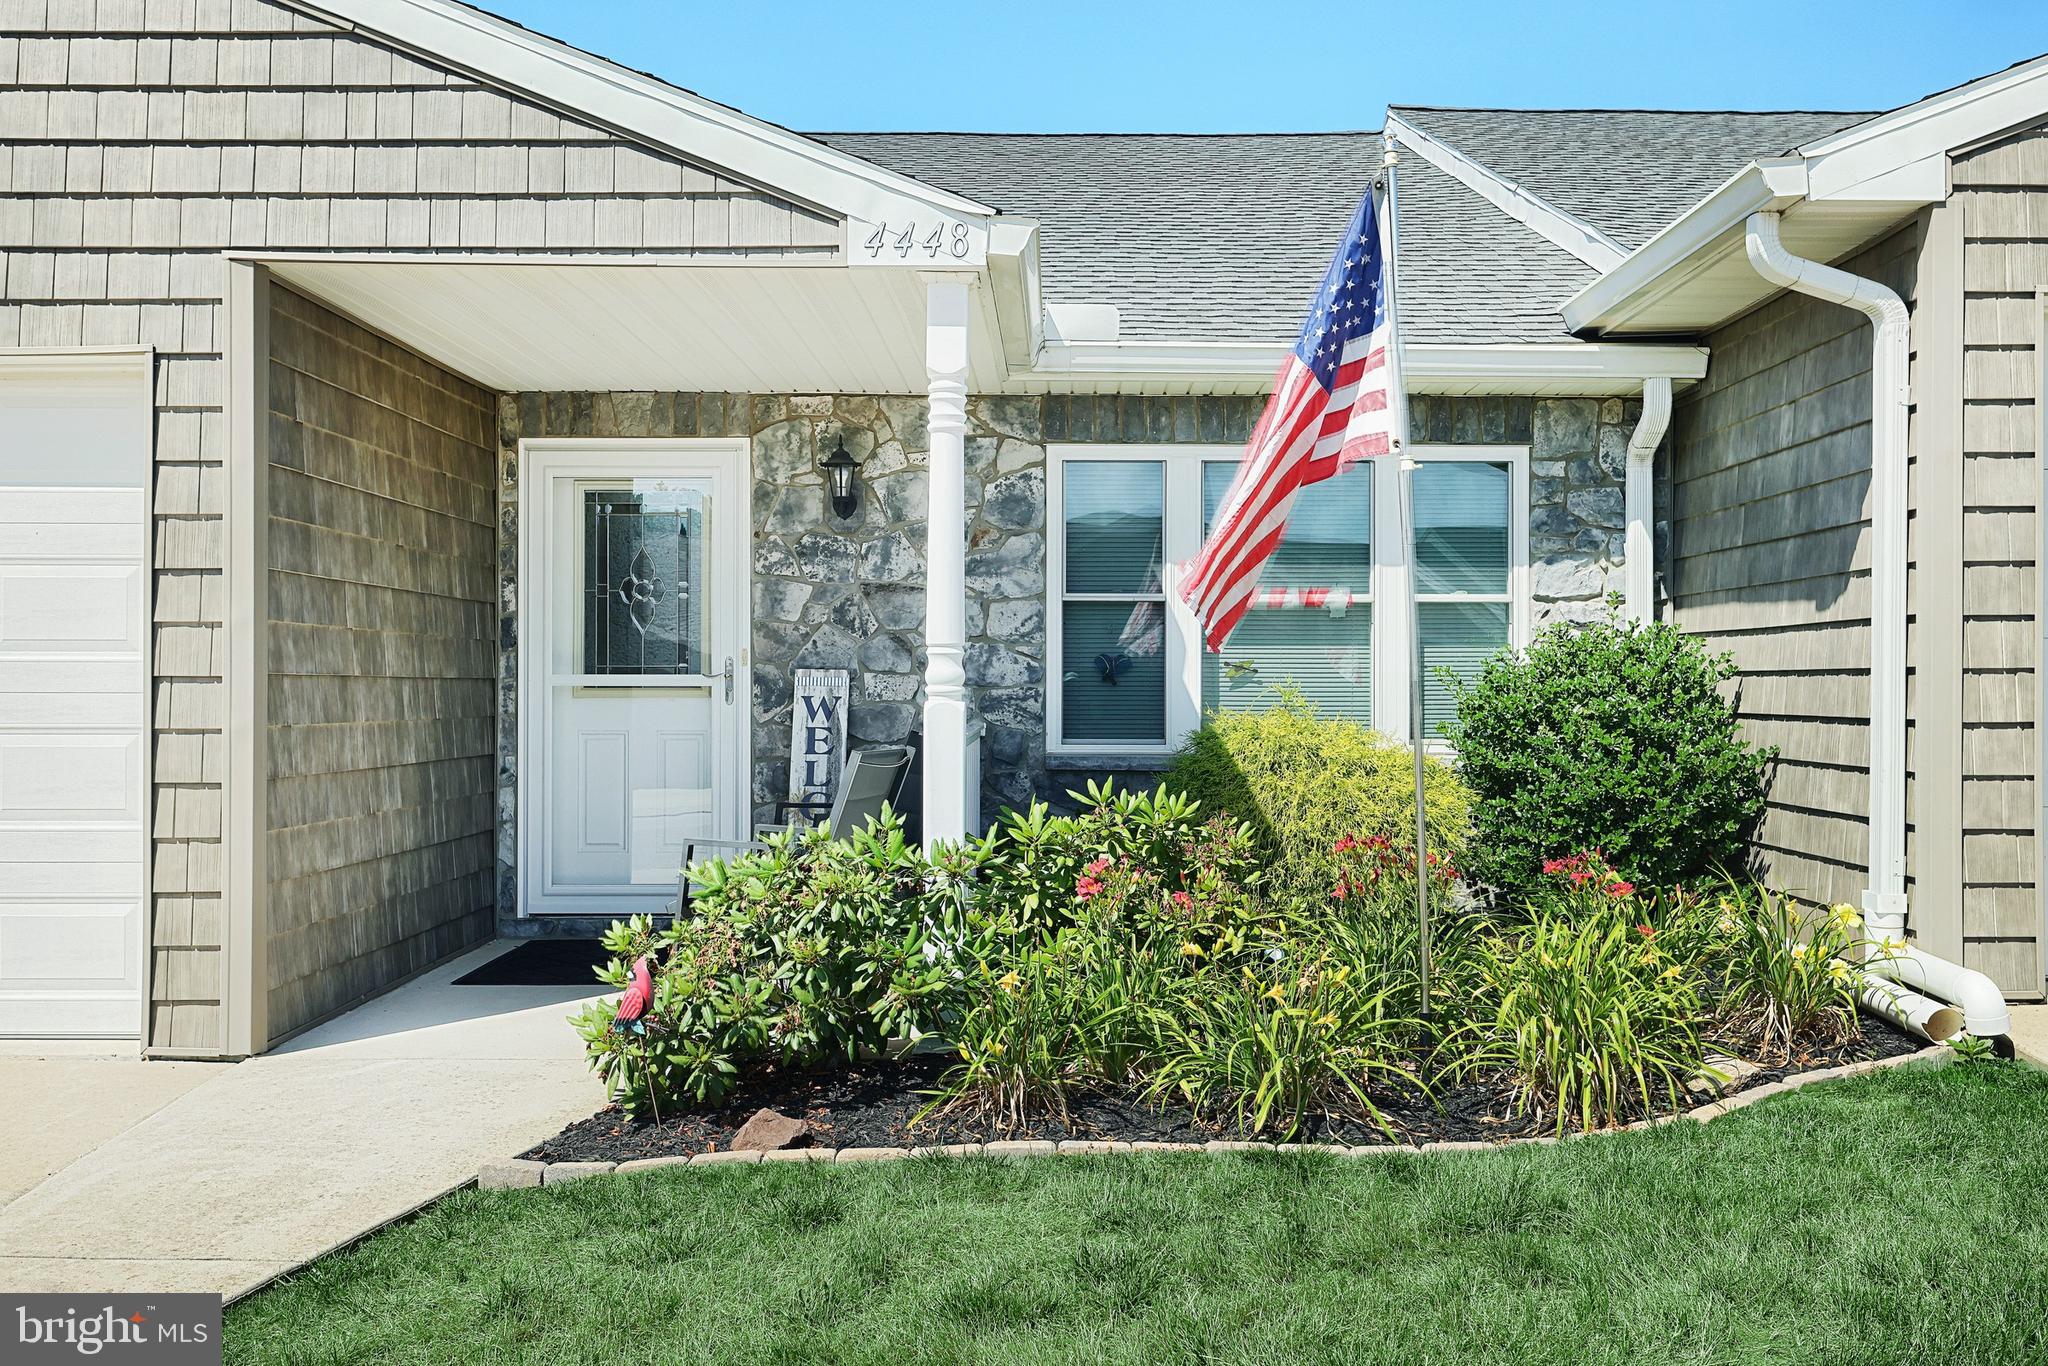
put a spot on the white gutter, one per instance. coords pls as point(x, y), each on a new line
point(1682, 249)
point(1884, 900)
point(1555, 367)
point(1639, 567)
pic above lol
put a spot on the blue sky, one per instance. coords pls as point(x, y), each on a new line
point(1141, 65)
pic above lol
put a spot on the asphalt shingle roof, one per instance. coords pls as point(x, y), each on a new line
point(1224, 238)
point(1628, 172)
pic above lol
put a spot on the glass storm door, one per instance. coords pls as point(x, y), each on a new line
point(642, 628)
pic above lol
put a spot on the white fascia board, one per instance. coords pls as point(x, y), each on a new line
point(1534, 363)
point(589, 87)
point(1844, 164)
point(1562, 230)
point(1667, 260)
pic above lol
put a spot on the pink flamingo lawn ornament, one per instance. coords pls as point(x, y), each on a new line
point(631, 1017)
point(639, 995)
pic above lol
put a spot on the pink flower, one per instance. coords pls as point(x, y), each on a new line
point(1646, 931)
point(1554, 866)
point(1346, 845)
point(1085, 886)
point(1341, 892)
point(1183, 900)
point(1620, 888)
point(1100, 866)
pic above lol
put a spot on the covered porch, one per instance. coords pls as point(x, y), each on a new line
point(525, 552)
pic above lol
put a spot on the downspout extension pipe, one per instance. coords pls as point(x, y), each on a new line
point(1884, 901)
point(1639, 568)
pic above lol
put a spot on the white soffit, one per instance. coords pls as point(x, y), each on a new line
point(516, 326)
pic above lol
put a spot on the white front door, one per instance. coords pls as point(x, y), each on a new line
point(634, 575)
point(74, 692)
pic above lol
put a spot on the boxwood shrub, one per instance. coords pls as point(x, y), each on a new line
point(1302, 780)
point(1611, 736)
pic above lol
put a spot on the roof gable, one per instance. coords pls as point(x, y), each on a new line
point(644, 107)
point(1225, 237)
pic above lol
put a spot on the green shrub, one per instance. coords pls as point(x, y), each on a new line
point(1301, 780)
point(1611, 737)
point(815, 947)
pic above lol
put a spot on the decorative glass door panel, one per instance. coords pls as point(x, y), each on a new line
point(644, 561)
point(642, 626)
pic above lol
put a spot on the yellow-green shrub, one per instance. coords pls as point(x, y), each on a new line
point(1302, 780)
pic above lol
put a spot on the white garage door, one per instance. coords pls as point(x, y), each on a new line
point(74, 684)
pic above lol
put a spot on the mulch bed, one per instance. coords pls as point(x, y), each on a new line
point(872, 1105)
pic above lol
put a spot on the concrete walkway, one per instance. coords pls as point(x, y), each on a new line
point(168, 1177)
point(2030, 1034)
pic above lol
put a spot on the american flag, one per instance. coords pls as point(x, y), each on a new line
point(1331, 406)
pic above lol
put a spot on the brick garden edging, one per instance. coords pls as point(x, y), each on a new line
point(518, 1173)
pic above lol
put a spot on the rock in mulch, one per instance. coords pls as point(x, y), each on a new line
point(769, 1132)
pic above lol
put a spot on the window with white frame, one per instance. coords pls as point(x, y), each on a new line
point(1128, 673)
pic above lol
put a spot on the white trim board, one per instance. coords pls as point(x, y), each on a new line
point(1563, 230)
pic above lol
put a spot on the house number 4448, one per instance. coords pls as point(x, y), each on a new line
point(947, 239)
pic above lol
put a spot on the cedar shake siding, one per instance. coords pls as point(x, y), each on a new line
point(2001, 203)
point(1770, 559)
point(138, 141)
point(382, 663)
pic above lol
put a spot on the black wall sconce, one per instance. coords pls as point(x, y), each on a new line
point(840, 471)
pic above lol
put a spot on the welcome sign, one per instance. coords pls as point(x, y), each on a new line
point(817, 735)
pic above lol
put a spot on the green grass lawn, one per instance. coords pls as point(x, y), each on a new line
point(1902, 1217)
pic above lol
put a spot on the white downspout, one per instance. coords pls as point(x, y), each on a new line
point(1884, 900)
point(1639, 566)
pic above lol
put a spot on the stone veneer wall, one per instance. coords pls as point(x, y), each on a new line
point(832, 593)
point(1578, 457)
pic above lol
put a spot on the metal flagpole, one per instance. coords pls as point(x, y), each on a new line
point(1397, 394)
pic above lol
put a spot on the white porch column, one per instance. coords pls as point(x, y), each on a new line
point(1639, 501)
point(950, 808)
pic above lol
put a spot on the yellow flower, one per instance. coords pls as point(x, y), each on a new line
point(1341, 975)
point(1798, 952)
point(1009, 981)
point(1326, 1021)
point(1845, 917)
point(1191, 950)
point(1674, 971)
point(1727, 925)
point(1275, 992)
point(1839, 971)
point(996, 1048)
point(1891, 944)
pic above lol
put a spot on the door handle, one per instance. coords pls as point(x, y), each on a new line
point(728, 678)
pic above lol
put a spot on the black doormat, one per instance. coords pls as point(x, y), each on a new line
point(542, 963)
